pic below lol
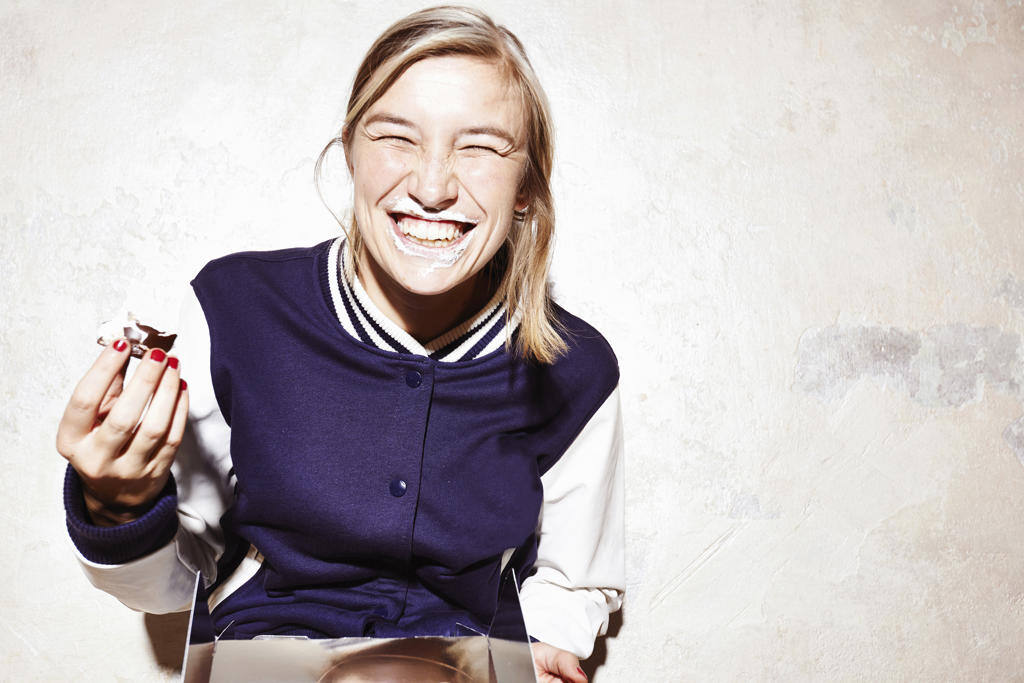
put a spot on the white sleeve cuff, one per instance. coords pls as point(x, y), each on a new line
point(157, 583)
point(568, 618)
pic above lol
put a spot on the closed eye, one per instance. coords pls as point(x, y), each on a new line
point(481, 148)
point(394, 138)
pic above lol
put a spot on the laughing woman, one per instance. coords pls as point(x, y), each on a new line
point(377, 426)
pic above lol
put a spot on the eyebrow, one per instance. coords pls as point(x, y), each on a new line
point(389, 118)
point(490, 130)
point(475, 130)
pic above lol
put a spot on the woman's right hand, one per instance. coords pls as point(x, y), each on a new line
point(124, 463)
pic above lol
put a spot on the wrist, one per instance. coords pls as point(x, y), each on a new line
point(106, 514)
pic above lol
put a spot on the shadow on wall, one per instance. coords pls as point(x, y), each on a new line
point(596, 660)
point(167, 634)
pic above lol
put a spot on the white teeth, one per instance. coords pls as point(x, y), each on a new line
point(429, 230)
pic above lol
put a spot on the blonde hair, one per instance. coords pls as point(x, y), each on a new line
point(521, 265)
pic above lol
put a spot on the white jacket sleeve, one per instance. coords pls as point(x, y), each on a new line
point(580, 570)
point(164, 580)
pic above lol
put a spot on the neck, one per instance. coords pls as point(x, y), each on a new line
point(424, 317)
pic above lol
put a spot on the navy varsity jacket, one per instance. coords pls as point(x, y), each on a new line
point(382, 491)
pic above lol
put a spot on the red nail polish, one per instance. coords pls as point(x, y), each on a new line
point(120, 345)
point(184, 385)
point(172, 363)
point(582, 673)
point(157, 355)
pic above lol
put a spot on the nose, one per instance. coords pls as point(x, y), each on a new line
point(432, 183)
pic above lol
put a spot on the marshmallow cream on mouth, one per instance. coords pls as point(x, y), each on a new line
point(441, 238)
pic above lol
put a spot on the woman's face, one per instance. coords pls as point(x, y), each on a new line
point(436, 165)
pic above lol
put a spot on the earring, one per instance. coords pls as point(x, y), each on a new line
point(519, 216)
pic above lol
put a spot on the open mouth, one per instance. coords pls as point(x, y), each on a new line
point(426, 232)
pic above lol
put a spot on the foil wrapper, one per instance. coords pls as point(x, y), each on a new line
point(142, 337)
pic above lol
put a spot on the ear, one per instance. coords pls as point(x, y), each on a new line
point(522, 201)
point(523, 196)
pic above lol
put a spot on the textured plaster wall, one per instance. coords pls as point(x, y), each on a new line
point(798, 223)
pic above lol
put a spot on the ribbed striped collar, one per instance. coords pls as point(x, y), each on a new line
point(483, 333)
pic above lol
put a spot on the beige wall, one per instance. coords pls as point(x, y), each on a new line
point(799, 224)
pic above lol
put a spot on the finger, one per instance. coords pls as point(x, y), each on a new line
point(156, 423)
point(165, 452)
point(80, 414)
point(119, 425)
point(567, 666)
point(113, 391)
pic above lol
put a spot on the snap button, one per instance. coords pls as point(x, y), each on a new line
point(413, 378)
point(398, 487)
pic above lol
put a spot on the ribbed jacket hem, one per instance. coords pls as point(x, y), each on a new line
point(125, 542)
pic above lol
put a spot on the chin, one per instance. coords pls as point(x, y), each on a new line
point(421, 280)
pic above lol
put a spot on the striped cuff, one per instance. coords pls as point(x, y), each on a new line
point(125, 542)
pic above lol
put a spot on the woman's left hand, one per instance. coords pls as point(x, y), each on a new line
point(556, 666)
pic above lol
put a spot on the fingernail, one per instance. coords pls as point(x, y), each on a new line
point(172, 363)
point(120, 345)
point(184, 385)
point(582, 673)
point(157, 355)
